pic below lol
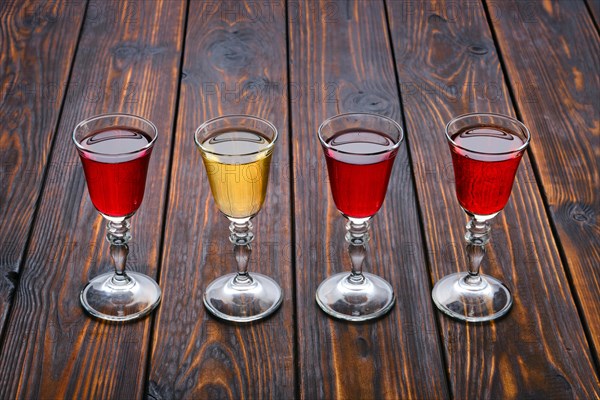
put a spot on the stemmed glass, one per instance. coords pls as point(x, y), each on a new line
point(486, 150)
point(115, 150)
point(236, 151)
point(360, 150)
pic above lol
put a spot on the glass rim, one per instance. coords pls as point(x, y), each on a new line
point(246, 116)
point(343, 115)
point(501, 116)
point(108, 115)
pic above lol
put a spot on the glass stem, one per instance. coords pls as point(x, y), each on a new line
point(118, 236)
point(477, 236)
point(357, 236)
point(241, 236)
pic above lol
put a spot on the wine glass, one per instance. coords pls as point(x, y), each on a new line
point(236, 151)
point(360, 150)
point(486, 150)
point(115, 150)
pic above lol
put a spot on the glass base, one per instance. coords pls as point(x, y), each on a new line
point(473, 303)
point(123, 301)
point(342, 299)
point(243, 302)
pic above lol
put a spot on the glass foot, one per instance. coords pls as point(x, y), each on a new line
point(123, 301)
point(474, 303)
point(243, 302)
point(343, 299)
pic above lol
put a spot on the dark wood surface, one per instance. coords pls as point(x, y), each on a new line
point(226, 69)
point(348, 62)
point(562, 97)
point(594, 6)
point(36, 55)
point(447, 59)
point(180, 63)
point(51, 349)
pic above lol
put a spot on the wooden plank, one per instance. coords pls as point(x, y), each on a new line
point(37, 43)
point(448, 65)
point(340, 61)
point(127, 61)
point(561, 108)
point(234, 62)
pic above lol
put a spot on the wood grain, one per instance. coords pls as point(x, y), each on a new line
point(341, 57)
point(127, 61)
point(37, 45)
point(594, 6)
point(234, 62)
point(561, 109)
point(446, 60)
point(448, 65)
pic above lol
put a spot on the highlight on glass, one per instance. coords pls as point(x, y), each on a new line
point(486, 151)
point(360, 150)
point(115, 150)
point(236, 151)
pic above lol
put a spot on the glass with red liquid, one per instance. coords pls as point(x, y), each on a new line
point(115, 150)
point(360, 150)
point(486, 151)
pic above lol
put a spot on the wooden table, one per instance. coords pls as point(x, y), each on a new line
point(179, 63)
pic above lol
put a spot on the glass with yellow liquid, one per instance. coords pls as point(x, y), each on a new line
point(236, 151)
